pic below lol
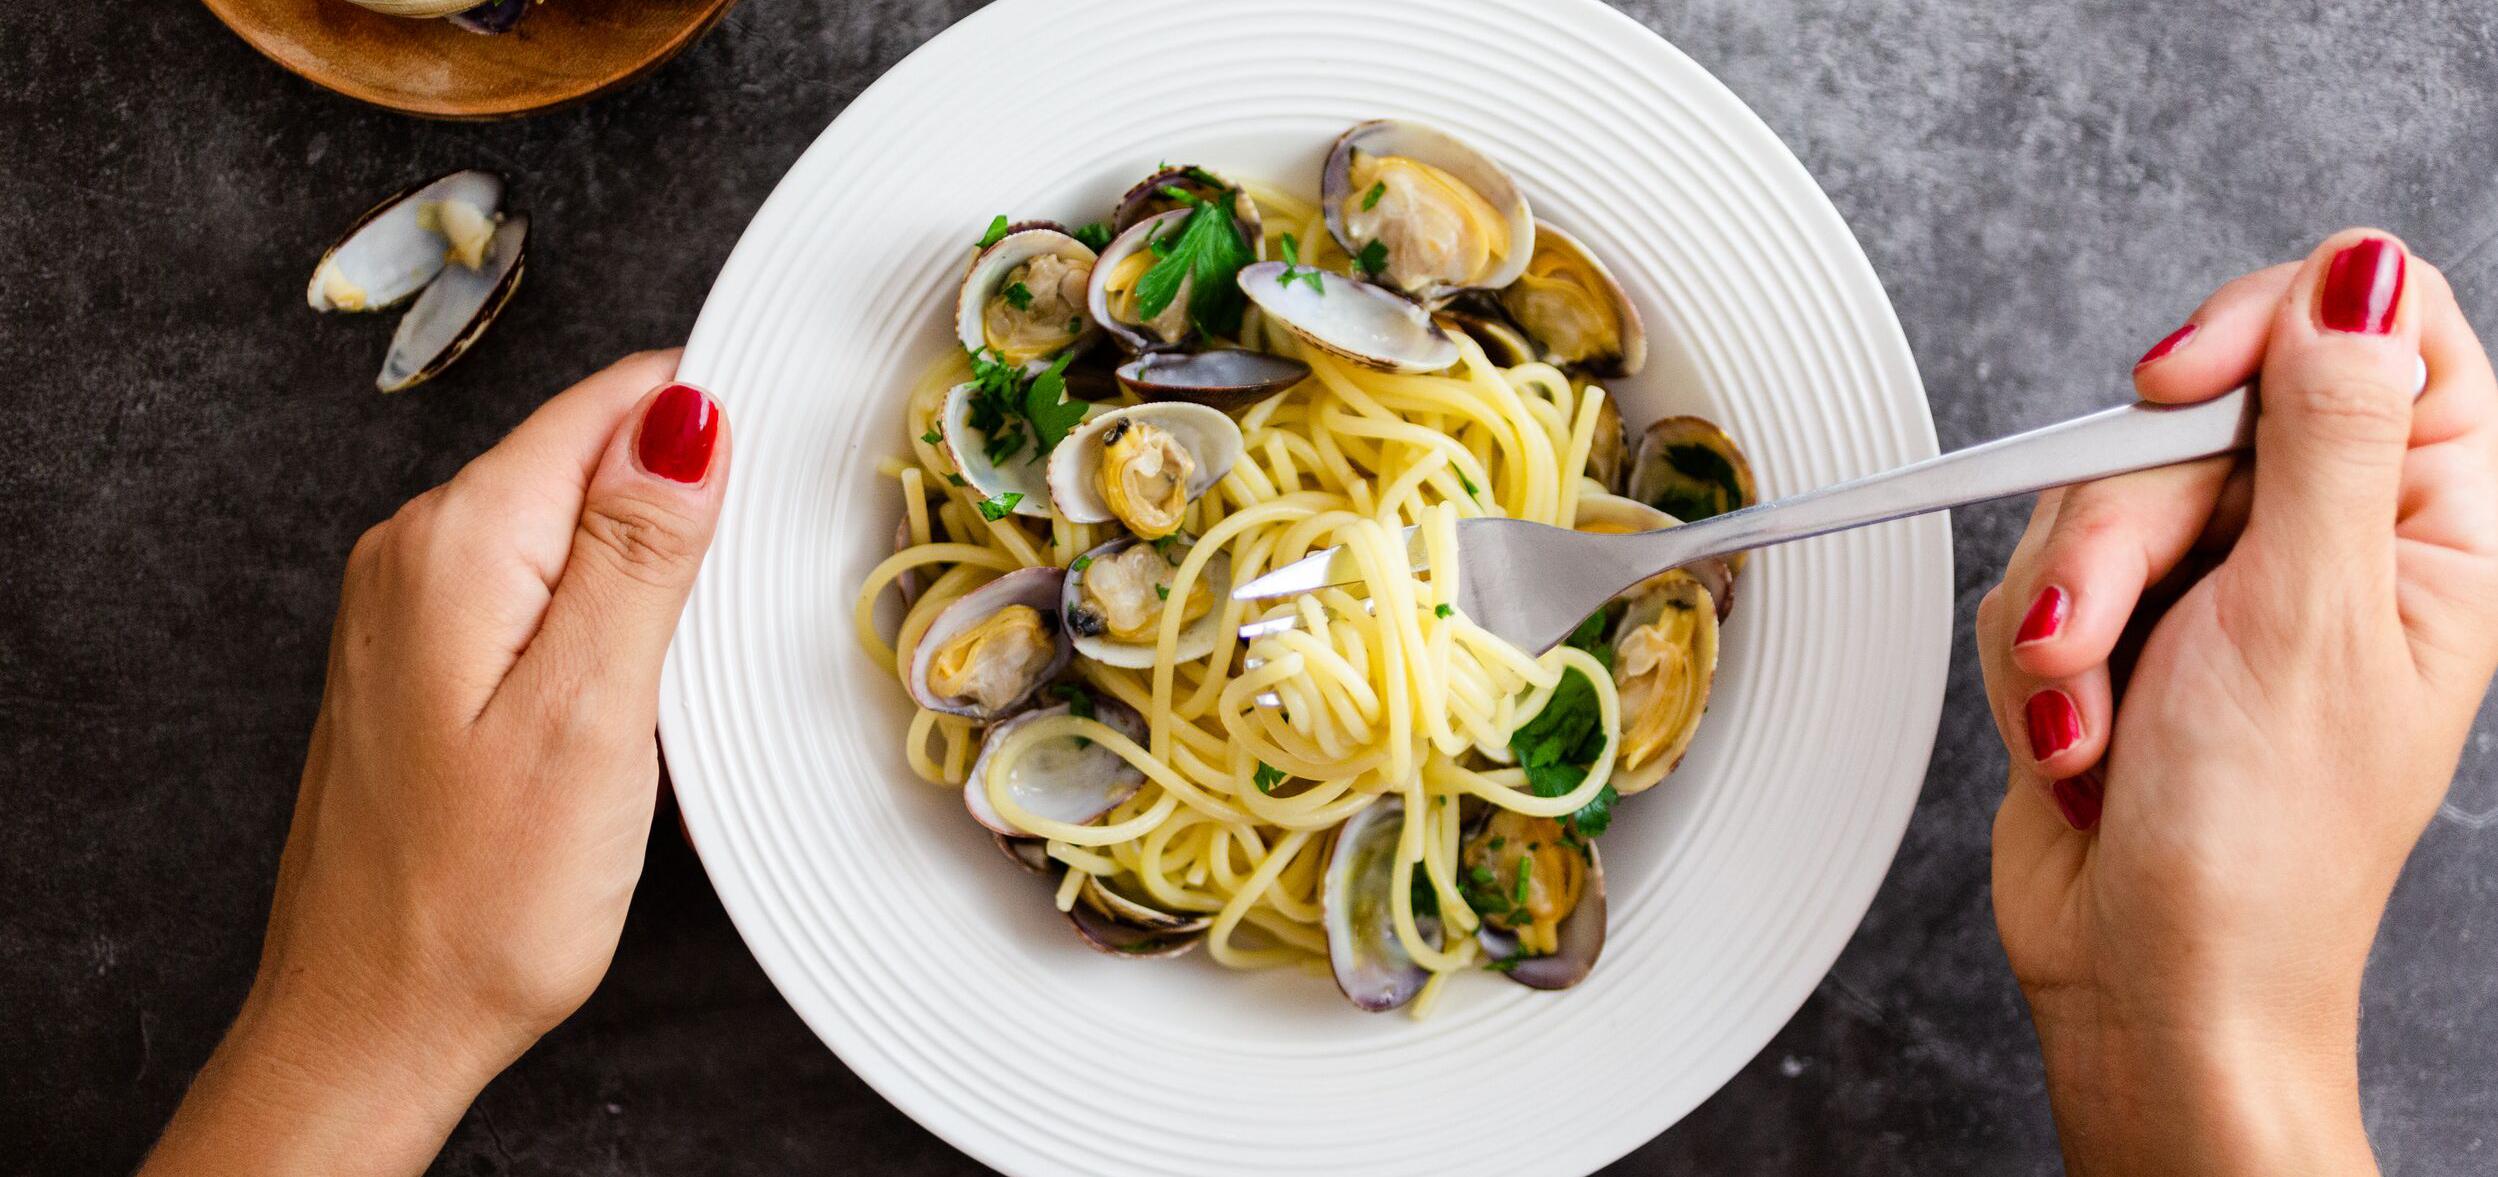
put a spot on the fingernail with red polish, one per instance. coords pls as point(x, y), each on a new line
point(2363, 285)
point(2160, 351)
point(2045, 617)
point(2079, 798)
point(678, 433)
point(2055, 723)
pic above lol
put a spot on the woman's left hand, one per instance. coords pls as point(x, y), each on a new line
point(479, 789)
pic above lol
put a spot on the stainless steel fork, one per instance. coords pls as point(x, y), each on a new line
point(1532, 584)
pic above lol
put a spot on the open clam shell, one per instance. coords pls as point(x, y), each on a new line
point(1082, 611)
point(1032, 854)
point(1211, 439)
point(1024, 297)
point(1036, 588)
point(455, 309)
point(1416, 269)
point(1581, 939)
point(1369, 325)
point(1690, 469)
point(1067, 779)
point(389, 253)
point(1502, 343)
point(1110, 298)
point(1149, 198)
point(1570, 305)
point(1227, 378)
point(1615, 515)
point(1113, 922)
point(1015, 472)
point(1363, 949)
point(1671, 605)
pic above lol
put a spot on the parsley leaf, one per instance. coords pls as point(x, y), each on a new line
point(1472, 491)
point(1593, 635)
point(996, 233)
point(1079, 700)
point(1162, 592)
point(1373, 259)
point(1046, 406)
point(1370, 199)
point(1168, 547)
point(1442, 610)
point(1080, 564)
point(1558, 744)
point(932, 437)
point(1708, 484)
point(1267, 777)
point(1018, 295)
point(1293, 269)
point(1205, 255)
point(1095, 236)
point(1001, 506)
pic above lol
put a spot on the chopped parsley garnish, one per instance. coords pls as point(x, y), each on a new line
point(1373, 259)
point(955, 480)
point(1709, 485)
point(1511, 961)
point(1267, 777)
point(1205, 255)
point(1526, 876)
point(1162, 592)
point(1080, 564)
point(1010, 411)
point(1558, 744)
point(1472, 491)
point(1168, 547)
point(1018, 295)
point(1370, 199)
point(996, 233)
point(1095, 236)
point(1482, 874)
point(1442, 610)
point(994, 509)
point(1594, 635)
point(1294, 271)
point(1079, 700)
point(932, 437)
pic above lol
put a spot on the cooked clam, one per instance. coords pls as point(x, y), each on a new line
point(1113, 300)
point(1501, 342)
point(1152, 196)
point(1142, 465)
point(1024, 297)
point(455, 309)
point(1117, 595)
point(1358, 908)
point(1608, 454)
point(1689, 468)
point(988, 652)
point(1069, 779)
point(398, 246)
point(1369, 325)
point(1224, 378)
point(1615, 515)
point(1664, 659)
point(1541, 894)
point(1113, 922)
point(994, 470)
point(1430, 214)
point(1569, 304)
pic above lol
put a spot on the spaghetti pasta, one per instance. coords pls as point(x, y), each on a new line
point(1247, 758)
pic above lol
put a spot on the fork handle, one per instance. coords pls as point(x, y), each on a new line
point(2114, 441)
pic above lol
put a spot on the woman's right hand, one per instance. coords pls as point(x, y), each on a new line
point(2233, 700)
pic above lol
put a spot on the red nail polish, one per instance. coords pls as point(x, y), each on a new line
point(2055, 723)
point(2363, 285)
point(678, 432)
point(2045, 617)
point(2176, 339)
point(2079, 799)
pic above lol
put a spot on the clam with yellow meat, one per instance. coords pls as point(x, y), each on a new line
point(1424, 213)
point(989, 652)
point(1142, 466)
point(1023, 298)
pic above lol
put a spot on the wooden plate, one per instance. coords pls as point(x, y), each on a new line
point(564, 51)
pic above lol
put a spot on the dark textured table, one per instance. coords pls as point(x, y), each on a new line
point(2045, 189)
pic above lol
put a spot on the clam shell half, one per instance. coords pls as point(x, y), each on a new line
point(1212, 440)
point(1038, 588)
point(386, 256)
point(1368, 325)
point(1067, 779)
point(1368, 959)
point(455, 309)
point(1582, 938)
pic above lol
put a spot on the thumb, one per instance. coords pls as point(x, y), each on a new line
point(645, 523)
point(2338, 382)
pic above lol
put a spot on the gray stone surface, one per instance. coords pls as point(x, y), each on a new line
point(2044, 187)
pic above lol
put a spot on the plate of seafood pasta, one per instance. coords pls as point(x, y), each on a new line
point(1093, 866)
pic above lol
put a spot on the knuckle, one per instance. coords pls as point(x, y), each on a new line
point(2352, 406)
point(1991, 608)
point(642, 540)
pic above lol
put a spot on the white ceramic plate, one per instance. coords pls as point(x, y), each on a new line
point(935, 968)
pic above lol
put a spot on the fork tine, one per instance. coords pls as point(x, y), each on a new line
point(1258, 629)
